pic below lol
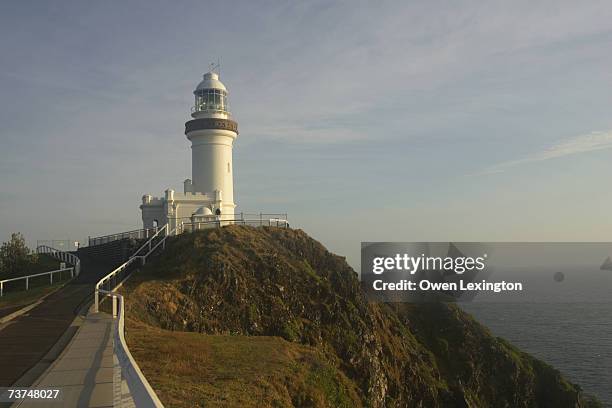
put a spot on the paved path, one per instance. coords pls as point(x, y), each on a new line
point(26, 340)
point(87, 372)
point(5, 311)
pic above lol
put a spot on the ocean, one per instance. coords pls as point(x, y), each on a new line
point(575, 338)
point(563, 314)
point(567, 324)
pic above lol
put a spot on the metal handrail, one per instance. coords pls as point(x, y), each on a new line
point(138, 234)
point(141, 391)
point(112, 275)
point(134, 257)
point(258, 222)
point(66, 257)
point(27, 278)
point(195, 109)
point(62, 256)
point(249, 216)
point(148, 243)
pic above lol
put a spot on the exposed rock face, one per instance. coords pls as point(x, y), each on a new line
point(280, 282)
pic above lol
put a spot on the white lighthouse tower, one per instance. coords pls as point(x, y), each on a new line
point(212, 134)
point(209, 194)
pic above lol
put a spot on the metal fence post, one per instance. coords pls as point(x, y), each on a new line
point(27, 283)
point(114, 306)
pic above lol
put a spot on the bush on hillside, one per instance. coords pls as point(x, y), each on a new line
point(15, 257)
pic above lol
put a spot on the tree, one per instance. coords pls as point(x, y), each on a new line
point(15, 256)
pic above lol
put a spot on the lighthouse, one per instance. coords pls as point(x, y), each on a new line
point(212, 133)
point(209, 194)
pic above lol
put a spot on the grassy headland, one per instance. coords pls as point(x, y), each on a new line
point(244, 316)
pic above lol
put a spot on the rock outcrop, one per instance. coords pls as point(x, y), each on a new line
point(280, 282)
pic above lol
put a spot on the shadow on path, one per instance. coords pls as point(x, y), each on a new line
point(25, 340)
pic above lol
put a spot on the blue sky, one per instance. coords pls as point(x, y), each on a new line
point(364, 121)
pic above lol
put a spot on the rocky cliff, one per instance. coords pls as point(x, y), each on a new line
point(243, 281)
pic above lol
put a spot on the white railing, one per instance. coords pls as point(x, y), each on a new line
point(28, 277)
point(253, 219)
point(140, 390)
point(61, 256)
point(191, 226)
point(55, 253)
point(143, 233)
point(66, 245)
point(119, 274)
point(148, 247)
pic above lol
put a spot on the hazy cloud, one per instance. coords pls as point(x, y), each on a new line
point(597, 140)
point(340, 106)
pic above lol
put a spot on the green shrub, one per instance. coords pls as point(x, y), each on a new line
point(15, 257)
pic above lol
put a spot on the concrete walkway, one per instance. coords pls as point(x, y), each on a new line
point(58, 344)
point(87, 372)
point(27, 343)
point(25, 340)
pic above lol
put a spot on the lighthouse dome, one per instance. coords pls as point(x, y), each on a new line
point(203, 211)
point(210, 81)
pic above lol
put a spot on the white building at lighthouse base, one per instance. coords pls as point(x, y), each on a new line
point(176, 208)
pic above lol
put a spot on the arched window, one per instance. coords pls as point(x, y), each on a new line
point(218, 211)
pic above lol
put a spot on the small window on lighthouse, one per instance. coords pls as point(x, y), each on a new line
point(228, 167)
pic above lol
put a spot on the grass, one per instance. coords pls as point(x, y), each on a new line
point(24, 298)
point(14, 293)
point(195, 370)
point(261, 292)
